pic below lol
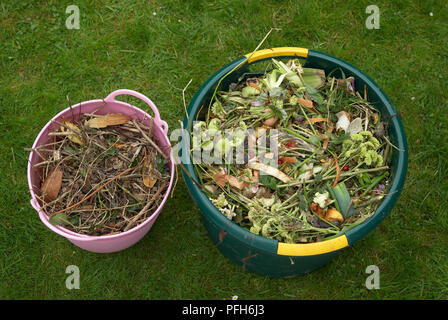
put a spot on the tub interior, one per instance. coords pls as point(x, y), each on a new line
point(35, 174)
point(339, 69)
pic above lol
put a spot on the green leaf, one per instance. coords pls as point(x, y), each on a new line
point(339, 139)
point(69, 149)
point(59, 219)
point(344, 200)
point(314, 94)
point(374, 182)
point(278, 110)
point(315, 78)
point(321, 107)
point(269, 181)
point(111, 139)
point(333, 196)
point(364, 180)
point(314, 140)
point(303, 204)
point(74, 220)
point(218, 109)
point(110, 152)
point(133, 163)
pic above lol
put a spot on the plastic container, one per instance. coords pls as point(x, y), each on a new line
point(108, 243)
point(270, 257)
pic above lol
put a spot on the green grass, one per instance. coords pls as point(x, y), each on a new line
point(122, 44)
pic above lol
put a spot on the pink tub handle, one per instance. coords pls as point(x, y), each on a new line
point(157, 121)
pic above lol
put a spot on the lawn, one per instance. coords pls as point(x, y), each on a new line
point(156, 47)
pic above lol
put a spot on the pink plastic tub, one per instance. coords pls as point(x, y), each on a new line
point(116, 242)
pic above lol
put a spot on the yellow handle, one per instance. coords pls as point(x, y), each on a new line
point(311, 249)
point(277, 52)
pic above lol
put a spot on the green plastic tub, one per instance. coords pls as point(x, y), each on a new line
point(269, 257)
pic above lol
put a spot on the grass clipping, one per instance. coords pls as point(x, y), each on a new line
point(102, 174)
point(326, 169)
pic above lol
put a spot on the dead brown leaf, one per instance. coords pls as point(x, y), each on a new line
point(149, 181)
point(51, 185)
point(334, 216)
point(119, 145)
point(270, 122)
point(220, 178)
point(234, 182)
point(110, 119)
point(317, 209)
point(288, 159)
point(148, 177)
point(305, 102)
point(73, 136)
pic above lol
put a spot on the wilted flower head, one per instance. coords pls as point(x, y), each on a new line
point(321, 199)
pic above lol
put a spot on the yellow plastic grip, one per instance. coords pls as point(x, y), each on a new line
point(311, 249)
point(277, 52)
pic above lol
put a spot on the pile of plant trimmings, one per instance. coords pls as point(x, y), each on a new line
point(315, 154)
point(102, 174)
